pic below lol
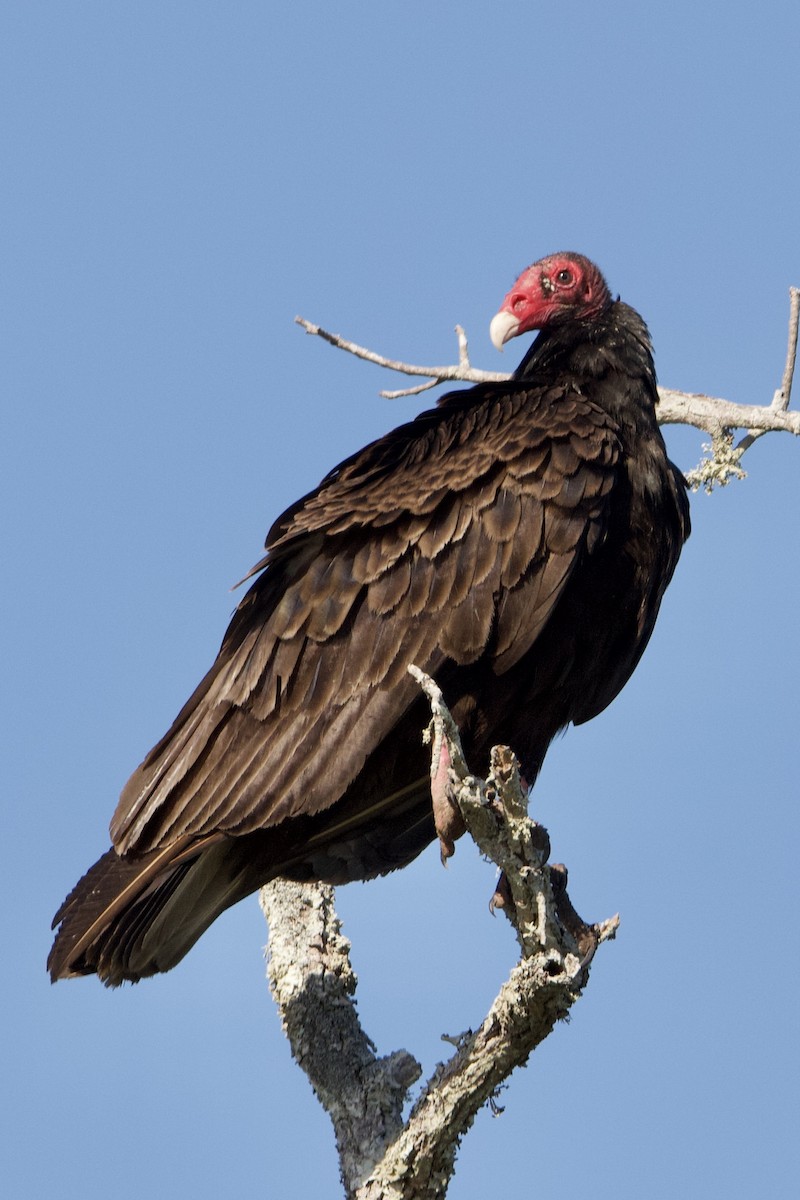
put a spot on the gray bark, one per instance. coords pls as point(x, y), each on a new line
point(381, 1156)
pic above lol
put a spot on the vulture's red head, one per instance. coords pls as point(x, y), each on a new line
point(559, 288)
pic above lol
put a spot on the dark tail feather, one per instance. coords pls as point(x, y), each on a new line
point(132, 917)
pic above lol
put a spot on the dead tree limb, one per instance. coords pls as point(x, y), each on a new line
point(383, 1158)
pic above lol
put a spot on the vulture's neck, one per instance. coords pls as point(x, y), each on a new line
point(607, 358)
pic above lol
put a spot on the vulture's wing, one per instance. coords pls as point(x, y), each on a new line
point(450, 538)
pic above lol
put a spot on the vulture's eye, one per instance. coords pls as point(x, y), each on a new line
point(564, 276)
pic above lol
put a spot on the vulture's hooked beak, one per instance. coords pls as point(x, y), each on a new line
point(504, 326)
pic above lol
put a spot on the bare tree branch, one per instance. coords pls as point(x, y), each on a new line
point(313, 984)
point(713, 415)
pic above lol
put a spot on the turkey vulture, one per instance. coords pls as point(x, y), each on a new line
point(514, 542)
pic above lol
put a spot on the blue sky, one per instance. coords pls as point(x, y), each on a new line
point(179, 181)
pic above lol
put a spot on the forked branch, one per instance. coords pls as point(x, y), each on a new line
point(382, 1157)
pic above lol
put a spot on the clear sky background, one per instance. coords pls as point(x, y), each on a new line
point(181, 179)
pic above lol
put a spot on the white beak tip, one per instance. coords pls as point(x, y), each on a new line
point(504, 326)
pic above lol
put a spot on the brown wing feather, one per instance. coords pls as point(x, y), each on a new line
point(310, 677)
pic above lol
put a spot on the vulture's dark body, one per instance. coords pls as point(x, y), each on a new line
point(515, 543)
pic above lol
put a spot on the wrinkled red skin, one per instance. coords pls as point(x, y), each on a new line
point(556, 288)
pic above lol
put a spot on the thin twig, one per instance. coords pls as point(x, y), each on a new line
point(463, 362)
point(450, 374)
point(784, 393)
point(412, 391)
point(463, 347)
